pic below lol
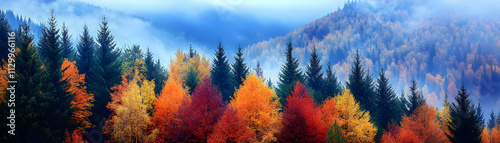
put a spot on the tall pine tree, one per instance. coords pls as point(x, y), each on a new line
point(51, 52)
point(240, 69)
point(191, 79)
point(66, 44)
point(289, 75)
point(154, 71)
point(361, 84)
point(332, 85)
point(4, 29)
point(106, 72)
point(466, 125)
point(33, 102)
point(491, 122)
point(415, 99)
point(86, 49)
point(221, 73)
point(387, 102)
point(315, 76)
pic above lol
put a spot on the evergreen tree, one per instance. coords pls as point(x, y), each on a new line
point(33, 102)
point(66, 44)
point(360, 84)
point(415, 99)
point(4, 29)
point(479, 113)
point(240, 69)
point(106, 72)
point(491, 122)
point(86, 49)
point(314, 76)
point(466, 125)
point(192, 52)
point(191, 79)
point(335, 134)
point(387, 102)
point(51, 52)
point(289, 75)
point(154, 71)
point(332, 85)
point(221, 73)
point(258, 71)
point(403, 103)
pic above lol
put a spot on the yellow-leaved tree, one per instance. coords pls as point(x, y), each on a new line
point(445, 117)
point(356, 122)
point(179, 67)
point(258, 106)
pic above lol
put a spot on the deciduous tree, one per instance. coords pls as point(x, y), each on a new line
point(232, 129)
point(301, 122)
point(258, 106)
point(356, 122)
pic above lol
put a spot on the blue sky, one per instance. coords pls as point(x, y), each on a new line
point(167, 25)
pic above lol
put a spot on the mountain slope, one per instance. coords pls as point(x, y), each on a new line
point(440, 47)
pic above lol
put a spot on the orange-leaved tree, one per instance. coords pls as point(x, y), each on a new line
point(329, 114)
point(167, 106)
point(301, 122)
point(396, 134)
point(495, 134)
point(422, 123)
point(258, 105)
point(355, 122)
point(82, 101)
point(231, 129)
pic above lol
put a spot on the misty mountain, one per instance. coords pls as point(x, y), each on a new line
point(441, 46)
point(16, 20)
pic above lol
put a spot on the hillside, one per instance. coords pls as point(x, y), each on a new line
point(408, 39)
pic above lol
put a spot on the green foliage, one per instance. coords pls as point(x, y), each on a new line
point(415, 99)
point(361, 84)
point(466, 124)
point(67, 50)
point(4, 28)
point(154, 71)
point(221, 73)
point(240, 69)
point(335, 134)
point(387, 102)
point(314, 77)
point(51, 53)
point(332, 85)
point(85, 48)
point(191, 79)
point(289, 75)
point(105, 71)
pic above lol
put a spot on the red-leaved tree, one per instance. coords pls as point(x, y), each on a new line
point(301, 120)
point(231, 129)
point(198, 117)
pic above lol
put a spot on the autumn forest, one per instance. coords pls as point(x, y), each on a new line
point(97, 91)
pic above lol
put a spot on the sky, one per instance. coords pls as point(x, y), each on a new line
point(167, 25)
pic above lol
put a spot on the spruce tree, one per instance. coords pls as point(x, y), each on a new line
point(66, 44)
point(51, 53)
point(161, 75)
point(258, 71)
point(465, 124)
point(240, 69)
point(479, 113)
point(289, 75)
point(491, 122)
point(86, 49)
point(403, 103)
point(191, 79)
point(360, 84)
point(105, 72)
point(33, 102)
point(221, 74)
point(415, 99)
point(332, 85)
point(315, 76)
point(4, 29)
point(154, 71)
point(387, 102)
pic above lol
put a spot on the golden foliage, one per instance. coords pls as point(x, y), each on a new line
point(356, 122)
point(259, 106)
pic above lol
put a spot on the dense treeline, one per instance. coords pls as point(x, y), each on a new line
point(65, 94)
